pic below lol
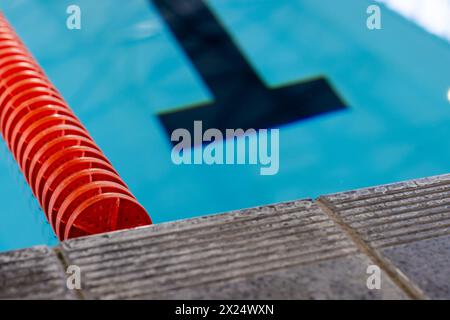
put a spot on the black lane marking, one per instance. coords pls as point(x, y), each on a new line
point(241, 99)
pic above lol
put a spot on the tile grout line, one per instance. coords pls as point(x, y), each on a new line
point(64, 264)
point(395, 274)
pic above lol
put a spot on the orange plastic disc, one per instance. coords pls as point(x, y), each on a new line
point(16, 67)
point(11, 63)
point(21, 72)
point(44, 123)
point(15, 88)
point(32, 116)
point(49, 156)
point(106, 212)
point(50, 120)
point(16, 84)
point(8, 72)
point(8, 77)
point(5, 36)
point(30, 149)
point(6, 27)
point(13, 50)
point(31, 99)
point(42, 138)
point(21, 91)
point(8, 43)
point(16, 59)
point(76, 181)
point(74, 199)
point(57, 157)
point(67, 169)
point(7, 81)
point(40, 126)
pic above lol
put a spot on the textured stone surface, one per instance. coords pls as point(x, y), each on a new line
point(337, 278)
point(284, 251)
point(34, 273)
point(290, 250)
point(407, 223)
point(425, 262)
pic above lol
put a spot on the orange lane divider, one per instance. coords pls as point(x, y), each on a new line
point(75, 184)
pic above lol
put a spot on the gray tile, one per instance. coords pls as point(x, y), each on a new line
point(336, 278)
point(284, 251)
point(406, 223)
point(34, 273)
point(425, 262)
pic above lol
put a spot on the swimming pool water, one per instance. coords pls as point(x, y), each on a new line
point(124, 67)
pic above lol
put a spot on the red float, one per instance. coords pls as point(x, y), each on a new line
point(75, 184)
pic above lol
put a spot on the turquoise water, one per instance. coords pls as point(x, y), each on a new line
point(124, 66)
